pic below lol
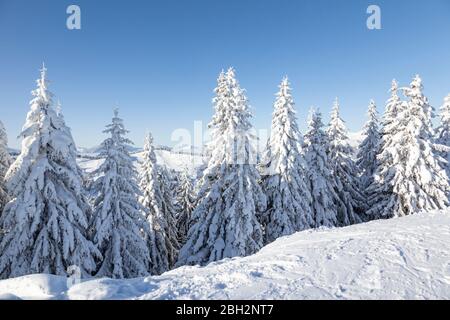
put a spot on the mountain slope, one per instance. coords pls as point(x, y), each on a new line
point(404, 258)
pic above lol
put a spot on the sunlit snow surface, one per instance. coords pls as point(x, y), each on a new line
point(403, 258)
point(171, 160)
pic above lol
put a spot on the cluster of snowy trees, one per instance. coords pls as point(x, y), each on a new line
point(121, 222)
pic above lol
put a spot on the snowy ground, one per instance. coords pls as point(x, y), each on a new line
point(175, 161)
point(405, 258)
point(355, 138)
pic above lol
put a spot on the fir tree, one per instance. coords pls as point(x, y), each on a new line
point(163, 248)
point(168, 190)
point(344, 170)
point(5, 162)
point(323, 187)
point(120, 227)
point(225, 222)
point(47, 219)
point(289, 199)
point(186, 204)
point(409, 178)
point(393, 123)
point(368, 149)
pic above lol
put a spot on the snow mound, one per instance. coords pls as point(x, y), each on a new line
point(403, 258)
point(36, 286)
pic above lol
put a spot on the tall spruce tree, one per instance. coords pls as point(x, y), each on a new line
point(119, 223)
point(392, 125)
point(368, 148)
point(168, 185)
point(163, 248)
point(46, 221)
point(325, 200)
point(344, 170)
point(409, 178)
point(5, 162)
point(283, 170)
point(225, 222)
point(186, 204)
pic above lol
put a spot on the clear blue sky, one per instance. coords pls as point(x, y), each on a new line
point(158, 60)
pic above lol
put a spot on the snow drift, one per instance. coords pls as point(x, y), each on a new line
point(402, 258)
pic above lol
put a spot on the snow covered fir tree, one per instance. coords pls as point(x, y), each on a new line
point(368, 148)
point(409, 178)
point(322, 184)
point(186, 200)
point(168, 186)
point(162, 243)
point(46, 221)
point(225, 222)
point(119, 225)
point(283, 173)
point(5, 162)
point(344, 170)
point(381, 188)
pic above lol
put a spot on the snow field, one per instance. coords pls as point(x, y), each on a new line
point(400, 258)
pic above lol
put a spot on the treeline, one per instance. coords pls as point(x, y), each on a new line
point(120, 223)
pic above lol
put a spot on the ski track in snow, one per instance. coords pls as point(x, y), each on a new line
point(403, 258)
